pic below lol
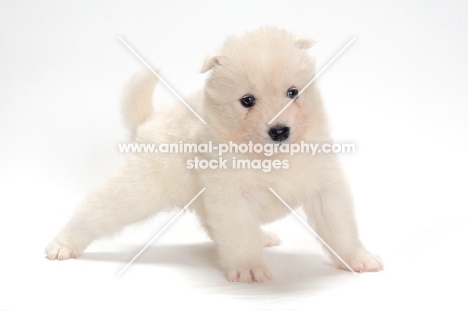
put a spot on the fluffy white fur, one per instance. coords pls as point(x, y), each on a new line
point(264, 63)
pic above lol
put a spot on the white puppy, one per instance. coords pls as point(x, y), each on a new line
point(252, 78)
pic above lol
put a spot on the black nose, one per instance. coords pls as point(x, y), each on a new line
point(279, 133)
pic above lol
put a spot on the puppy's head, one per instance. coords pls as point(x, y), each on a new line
point(253, 77)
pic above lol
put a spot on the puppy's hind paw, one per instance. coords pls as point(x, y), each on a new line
point(58, 251)
point(249, 274)
point(270, 239)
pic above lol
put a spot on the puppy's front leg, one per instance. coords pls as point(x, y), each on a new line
point(331, 212)
point(236, 231)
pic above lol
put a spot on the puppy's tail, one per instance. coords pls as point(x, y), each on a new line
point(137, 104)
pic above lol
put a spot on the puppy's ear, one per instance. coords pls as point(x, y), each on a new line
point(304, 42)
point(210, 62)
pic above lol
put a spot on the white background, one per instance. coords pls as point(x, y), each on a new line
point(399, 92)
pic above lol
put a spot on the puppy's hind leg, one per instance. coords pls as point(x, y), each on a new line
point(130, 195)
point(270, 239)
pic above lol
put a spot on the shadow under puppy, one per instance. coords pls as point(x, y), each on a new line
point(251, 79)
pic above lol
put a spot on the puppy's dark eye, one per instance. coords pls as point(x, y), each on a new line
point(247, 101)
point(292, 92)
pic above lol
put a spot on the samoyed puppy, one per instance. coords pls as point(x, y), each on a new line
point(252, 77)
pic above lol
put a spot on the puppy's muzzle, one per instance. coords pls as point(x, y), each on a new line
point(279, 133)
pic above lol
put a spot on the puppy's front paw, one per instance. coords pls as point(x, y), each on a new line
point(249, 274)
point(58, 251)
point(363, 262)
